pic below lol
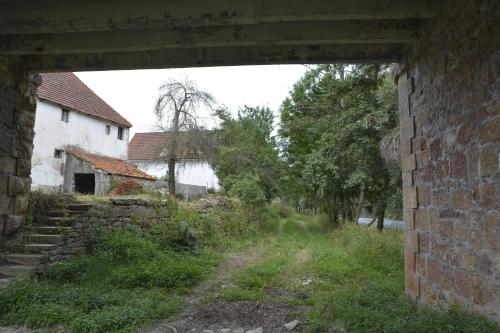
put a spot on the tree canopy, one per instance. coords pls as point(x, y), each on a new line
point(331, 126)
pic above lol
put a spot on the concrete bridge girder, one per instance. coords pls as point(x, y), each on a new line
point(158, 33)
point(52, 16)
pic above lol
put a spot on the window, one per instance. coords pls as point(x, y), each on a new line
point(108, 129)
point(65, 115)
point(58, 153)
point(120, 133)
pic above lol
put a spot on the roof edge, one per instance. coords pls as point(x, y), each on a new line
point(128, 125)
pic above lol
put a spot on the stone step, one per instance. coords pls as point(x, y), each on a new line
point(48, 230)
point(21, 259)
point(15, 270)
point(38, 248)
point(80, 207)
point(59, 221)
point(43, 238)
point(4, 282)
point(63, 213)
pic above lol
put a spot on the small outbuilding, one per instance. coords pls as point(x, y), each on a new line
point(93, 174)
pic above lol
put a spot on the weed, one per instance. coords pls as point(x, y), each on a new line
point(124, 282)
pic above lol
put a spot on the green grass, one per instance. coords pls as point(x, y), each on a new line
point(356, 281)
point(124, 282)
point(352, 275)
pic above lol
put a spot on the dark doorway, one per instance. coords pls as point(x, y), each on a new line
point(85, 183)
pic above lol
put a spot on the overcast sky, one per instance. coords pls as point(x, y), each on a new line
point(133, 93)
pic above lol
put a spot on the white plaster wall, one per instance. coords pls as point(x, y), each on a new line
point(83, 131)
point(187, 172)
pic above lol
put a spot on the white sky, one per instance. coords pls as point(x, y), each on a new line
point(133, 93)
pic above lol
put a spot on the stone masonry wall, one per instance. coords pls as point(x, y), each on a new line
point(450, 145)
point(17, 119)
point(118, 214)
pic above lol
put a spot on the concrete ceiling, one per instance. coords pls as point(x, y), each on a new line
point(121, 34)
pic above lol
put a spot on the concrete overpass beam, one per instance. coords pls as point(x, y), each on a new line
point(265, 34)
point(54, 16)
point(226, 56)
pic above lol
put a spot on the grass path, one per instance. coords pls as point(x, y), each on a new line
point(348, 280)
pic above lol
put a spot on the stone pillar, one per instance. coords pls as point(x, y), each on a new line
point(17, 119)
point(449, 90)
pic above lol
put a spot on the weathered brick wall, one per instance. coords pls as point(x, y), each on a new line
point(17, 119)
point(450, 134)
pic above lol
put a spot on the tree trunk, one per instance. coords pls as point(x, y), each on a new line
point(332, 212)
point(171, 176)
point(361, 202)
point(382, 202)
point(348, 207)
point(173, 153)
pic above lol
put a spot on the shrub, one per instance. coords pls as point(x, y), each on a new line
point(247, 189)
point(252, 197)
point(175, 235)
point(178, 231)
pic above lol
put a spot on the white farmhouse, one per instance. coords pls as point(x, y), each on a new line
point(71, 117)
point(147, 151)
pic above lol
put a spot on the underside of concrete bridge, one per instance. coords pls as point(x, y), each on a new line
point(82, 35)
point(448, 73)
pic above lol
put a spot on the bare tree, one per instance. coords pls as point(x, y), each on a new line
point(177, 113)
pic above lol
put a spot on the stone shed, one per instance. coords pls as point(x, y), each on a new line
point(93, 174)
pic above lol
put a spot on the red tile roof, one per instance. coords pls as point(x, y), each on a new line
point(147, 146)
point(67, 90)
point(113, 166)
point(153, 146)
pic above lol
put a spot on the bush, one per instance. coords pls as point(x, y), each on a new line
point(178, 231)
point(247, 189)
point(253, 199)
point(41, 203)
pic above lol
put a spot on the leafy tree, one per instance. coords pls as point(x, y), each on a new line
point(177, 114)
point(247, 162)
point(331, 126)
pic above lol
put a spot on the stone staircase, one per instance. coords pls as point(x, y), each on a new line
point(36, 240)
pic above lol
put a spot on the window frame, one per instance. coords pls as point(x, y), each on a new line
point(65, 115)
point(120, 133)
point(58, 153)
point(107, 129)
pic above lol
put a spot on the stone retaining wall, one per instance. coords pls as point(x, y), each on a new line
point(118, 214)
point(450, 144)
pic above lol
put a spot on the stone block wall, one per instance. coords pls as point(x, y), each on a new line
point(17, 119)
point(118, 214)
point(450, 148)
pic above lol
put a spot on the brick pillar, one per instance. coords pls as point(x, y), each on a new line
point(449, 90)
point(17, 119)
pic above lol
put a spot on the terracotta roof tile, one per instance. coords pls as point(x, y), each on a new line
point(153, 146)
point(113, 166)
point(67, 90)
